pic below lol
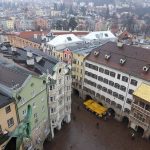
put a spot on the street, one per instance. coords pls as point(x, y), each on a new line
point(84, 134)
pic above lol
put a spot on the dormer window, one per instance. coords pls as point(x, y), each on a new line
point(146, 68)
point(122, 61)
point(107, 57)
point(69, 38)
point(96, 53)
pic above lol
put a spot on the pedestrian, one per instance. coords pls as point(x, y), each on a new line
point(70, 146)
point(105, 118)
point(133, 136)
point(97, 125)
point(74, 117)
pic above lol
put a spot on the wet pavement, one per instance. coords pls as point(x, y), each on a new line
point(84, 134)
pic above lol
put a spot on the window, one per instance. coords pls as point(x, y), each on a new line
point(53, 110)
point(109, 91)
point(118, 76)
point(121, 97)
point(99, 87)
point(8, 109)
point(33, 93)
point(35, 115)
point(59, 81)
point(130, 91)
point(24, 112)
point(101, 70)
point(129, 101)
point(112, 74)
point(100, 78)
point(147, 107)
point(60, 91)
point(103, 97)
point(69, 38)
point(98, 95)
point(51, 99)
point(126, 110)
point(60, 102)
point(133, 82)
point(104, 89)
point(94, 67)
point(117, 86)
point(106, 72)
point(115, 94)
point(141, 104)
point(51, 87)
point(43, 109)
point(108, 100)
point(34, 105)
point(113, 103)
point(124, 78)
point(10, 122)
point(105, 81)
point(87, 64)
point(122, 88)
point(111, 83)
point(68, 98)
point(119, 106)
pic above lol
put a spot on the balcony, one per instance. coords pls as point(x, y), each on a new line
point(140, 109)
point(3, 138)
point(139, 122)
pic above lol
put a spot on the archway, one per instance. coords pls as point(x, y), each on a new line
point(11, 145)
point(140, 131)
point(125, 120)
point(87, 97)
point(76, 92)
point(111, 112)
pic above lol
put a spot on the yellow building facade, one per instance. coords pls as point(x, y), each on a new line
point(77, 70)
point(10, 24)
point(8, 119)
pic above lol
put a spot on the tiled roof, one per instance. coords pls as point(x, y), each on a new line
point(46, 64)
point(11, 77)
point(4, 100)
point(136, 58)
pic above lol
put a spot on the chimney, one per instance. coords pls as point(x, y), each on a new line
point(35, 36)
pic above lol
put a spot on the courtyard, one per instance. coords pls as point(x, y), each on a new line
point(82, 133)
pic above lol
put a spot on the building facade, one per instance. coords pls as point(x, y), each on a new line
point(8, 121)
point(111, 78)
point(140, 111)
point(28, 91)
point(59, 97)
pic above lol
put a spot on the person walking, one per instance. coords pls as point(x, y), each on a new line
point(97, 125)
point(133, 136)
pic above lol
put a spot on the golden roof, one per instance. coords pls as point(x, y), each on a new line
point(143, 92)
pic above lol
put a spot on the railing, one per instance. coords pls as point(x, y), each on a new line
point(146, 125)
point(142, 110)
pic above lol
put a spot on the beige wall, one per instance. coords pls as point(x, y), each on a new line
point(21, 43)
point(6, 116)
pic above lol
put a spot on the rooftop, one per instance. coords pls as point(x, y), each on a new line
point(4, 100)
point(64, 39)
point(143, 92)
point(12, 76)
point(125, 58)
point(100, 35)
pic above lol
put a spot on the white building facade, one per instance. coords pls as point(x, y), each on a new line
point(59, 99)
point(110, 85)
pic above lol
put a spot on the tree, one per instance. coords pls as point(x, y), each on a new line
point(72, 23)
